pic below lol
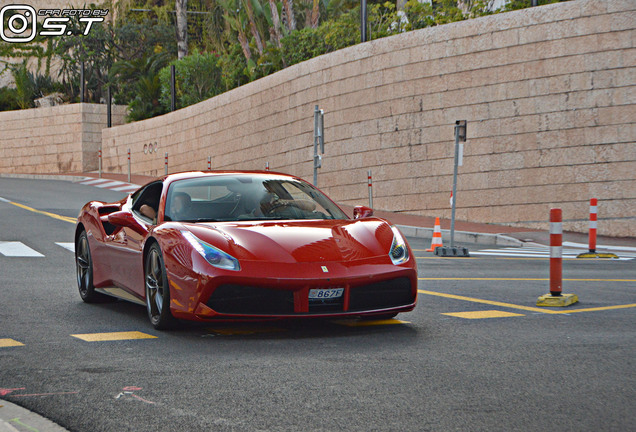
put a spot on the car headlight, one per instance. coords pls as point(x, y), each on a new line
point(399, 253)
point(214, 256)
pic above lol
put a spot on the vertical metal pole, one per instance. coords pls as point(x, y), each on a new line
point(128, 165)
point(209, 163)
point(316, 156)
point(173, 87)
point(82, 83)
point(99, 159)
point(266, 166)
point(370, 190)
point(363, 20)
point(166, 164)
point(109, 114)
point(452, 233)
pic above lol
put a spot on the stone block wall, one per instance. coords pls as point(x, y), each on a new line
point(549, 94)
point(58, 139)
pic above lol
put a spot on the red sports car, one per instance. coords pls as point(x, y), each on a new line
point(241, 245)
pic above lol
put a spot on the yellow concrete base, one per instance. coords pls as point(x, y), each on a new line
point(597, 255)
point(548, 300)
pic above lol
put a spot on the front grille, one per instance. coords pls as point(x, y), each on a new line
point(381, 295)
point(326, 305)
point(249, 300)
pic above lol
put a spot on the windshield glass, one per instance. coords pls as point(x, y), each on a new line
point(246, 197)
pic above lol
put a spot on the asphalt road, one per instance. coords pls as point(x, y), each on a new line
point(524, 369)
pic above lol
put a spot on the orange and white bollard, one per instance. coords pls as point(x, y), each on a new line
point(592, 235)
point(556, 252)
point(593, 221)
point(555, 298)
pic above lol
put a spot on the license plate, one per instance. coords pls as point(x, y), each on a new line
point(325, 293)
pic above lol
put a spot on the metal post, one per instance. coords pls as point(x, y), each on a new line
point(318, 141)
point(370, 190)
point(209, 163)
point(455, 166)
point(173, 87)
point(128, 165)
point(266, 166)
point(99, 159)
point(166, 164)
point(363, 20)
point(109, 114)
point(460, 135)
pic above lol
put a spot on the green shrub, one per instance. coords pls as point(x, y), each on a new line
point(197, 78)
point(8, 100)
point(301, 45)
point(233, 68)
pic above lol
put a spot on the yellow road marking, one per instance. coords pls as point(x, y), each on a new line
point(527, 279)
point(483, 314)
point(53, 215)
point(526, 308)
point(368, 323)
point(113, 336)
point(4, 343)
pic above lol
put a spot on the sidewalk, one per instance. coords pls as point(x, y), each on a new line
point(14, 418)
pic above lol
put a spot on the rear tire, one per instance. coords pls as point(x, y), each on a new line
point(84, 268)
point(157, 290)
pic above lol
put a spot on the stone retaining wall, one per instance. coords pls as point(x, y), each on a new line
point(58, 139)
point(549, 94)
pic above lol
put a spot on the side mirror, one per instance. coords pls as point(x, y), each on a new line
point(362, 212)
point(125, 219)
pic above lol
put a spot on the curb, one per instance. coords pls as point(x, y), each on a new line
point(71, 178)
point(462, 236)
point(14, 418)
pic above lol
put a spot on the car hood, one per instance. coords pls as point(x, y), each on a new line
point(299, 241)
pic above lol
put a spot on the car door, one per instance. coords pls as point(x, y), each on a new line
point(127, 243)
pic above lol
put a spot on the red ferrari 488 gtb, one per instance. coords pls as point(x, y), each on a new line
point(241, 245)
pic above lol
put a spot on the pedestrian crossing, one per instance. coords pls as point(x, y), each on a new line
point(16, 249)
point(115, 185)
point(570, 251)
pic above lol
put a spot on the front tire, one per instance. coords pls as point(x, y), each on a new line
point(157, 290)
point(84, 268)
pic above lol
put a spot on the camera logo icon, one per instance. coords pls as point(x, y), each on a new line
point(18, 20)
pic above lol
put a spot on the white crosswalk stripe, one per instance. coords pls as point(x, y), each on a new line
point(534, 250)
point(17, 249)
point(67, 245)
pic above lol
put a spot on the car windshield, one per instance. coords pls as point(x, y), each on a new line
point(246, 197)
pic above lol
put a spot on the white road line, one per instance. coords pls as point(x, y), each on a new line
point(17, 249)
point(539, 252)
point(110, 184)
point(604, 247)
point(130, 187)
point(94, 181)
point(67, 245)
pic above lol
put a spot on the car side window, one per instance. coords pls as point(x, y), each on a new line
point(146, 202)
